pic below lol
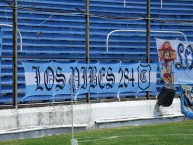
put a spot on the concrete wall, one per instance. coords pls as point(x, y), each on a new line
point(86, 114)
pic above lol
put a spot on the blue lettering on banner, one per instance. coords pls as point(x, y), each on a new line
point(57, 78)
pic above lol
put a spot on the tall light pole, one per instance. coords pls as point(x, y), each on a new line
point(87, 39)
point(148, 37)
point(15, 53)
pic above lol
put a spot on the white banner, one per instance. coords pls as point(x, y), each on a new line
point(53, 78)
point(175, 60)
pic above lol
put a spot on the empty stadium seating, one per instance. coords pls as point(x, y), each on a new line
point(55, 30)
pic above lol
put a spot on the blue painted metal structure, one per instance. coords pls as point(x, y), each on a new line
point(55, 30)
point(1, 40)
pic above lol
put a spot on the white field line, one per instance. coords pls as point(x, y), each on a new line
point(145, 135)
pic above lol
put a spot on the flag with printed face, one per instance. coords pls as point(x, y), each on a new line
point(175, 60)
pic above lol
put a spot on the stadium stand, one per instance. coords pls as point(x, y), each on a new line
point(54, 30)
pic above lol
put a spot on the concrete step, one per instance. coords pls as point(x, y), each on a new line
point(34, 132)
point(135, 121)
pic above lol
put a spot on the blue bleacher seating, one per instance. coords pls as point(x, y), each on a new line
point(55, 29)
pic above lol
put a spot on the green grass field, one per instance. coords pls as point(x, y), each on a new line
point(180, 133)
